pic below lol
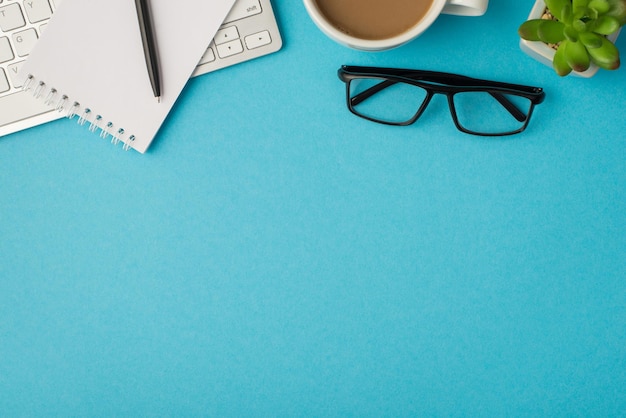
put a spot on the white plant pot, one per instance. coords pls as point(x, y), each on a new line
point(543, 53)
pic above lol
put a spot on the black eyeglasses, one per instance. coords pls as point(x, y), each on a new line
point(479, 107)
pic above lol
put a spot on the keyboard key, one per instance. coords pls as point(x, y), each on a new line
point(258, 39)
point(230, 48)
point(14, 70)
point(208, 56)
point(11, 17)
point(225, 35)
point(243, 8)
point(37, 10)
point(4, 83)
point(24, 41)
point(6, 54)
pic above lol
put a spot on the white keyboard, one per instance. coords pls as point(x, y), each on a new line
point(249, 31)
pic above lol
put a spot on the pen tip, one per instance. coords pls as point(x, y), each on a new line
point(158, 99)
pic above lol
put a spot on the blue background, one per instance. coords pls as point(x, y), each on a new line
point(273, 255)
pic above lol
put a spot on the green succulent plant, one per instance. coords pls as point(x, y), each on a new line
point(579, 31)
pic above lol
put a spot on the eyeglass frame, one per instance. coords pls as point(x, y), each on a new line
point(435, 82)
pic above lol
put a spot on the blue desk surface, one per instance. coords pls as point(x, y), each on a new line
point(273, 255)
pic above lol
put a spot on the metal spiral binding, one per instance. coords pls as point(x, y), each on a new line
point(72, 110)
point(83, 118)
point(62, 104)
point(39, 90)
point(50, 98)
point(104, 132)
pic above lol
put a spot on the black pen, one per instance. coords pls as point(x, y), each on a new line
point(149, 45)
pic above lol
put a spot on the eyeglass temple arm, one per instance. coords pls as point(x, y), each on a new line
point(366, 94)
point(506, 103)
point(513, 110)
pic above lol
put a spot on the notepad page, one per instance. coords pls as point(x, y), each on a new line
point(91, 54)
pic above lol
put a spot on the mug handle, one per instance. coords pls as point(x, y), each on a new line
point(465, 7)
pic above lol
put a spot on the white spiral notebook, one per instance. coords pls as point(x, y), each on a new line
point(90, 62)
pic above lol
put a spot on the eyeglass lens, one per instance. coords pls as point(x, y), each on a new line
point(391, 102)
point(484, 113)
point(478, 112)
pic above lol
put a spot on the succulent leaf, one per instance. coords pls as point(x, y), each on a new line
point(576, 56)
point(600, 6)
point(529, 30)
point(618, 10)
point(579, 26)
point(567, 14)
point(592, 14)
point(559, 62)
point(606, 25)
point(579, 13)
point(606, 56)
point(550, 31)
point(570, 33)
point(590, 40)
point(579, 3)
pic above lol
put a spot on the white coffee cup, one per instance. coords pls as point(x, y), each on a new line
point(453, 7)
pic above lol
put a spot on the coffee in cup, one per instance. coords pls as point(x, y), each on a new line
point(374, 25)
